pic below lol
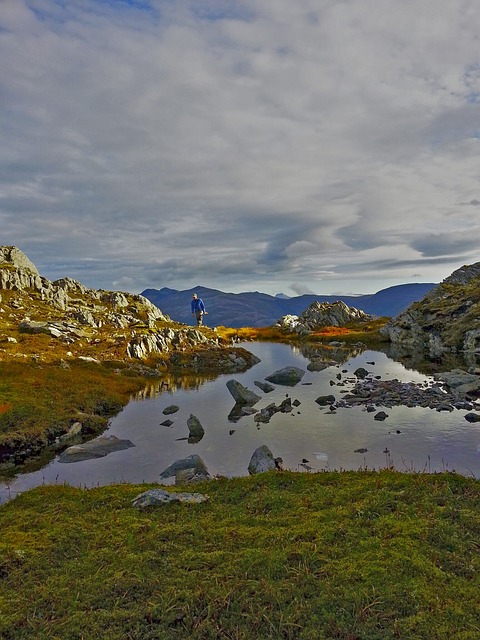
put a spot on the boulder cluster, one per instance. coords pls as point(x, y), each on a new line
point(372, 392)
point(322, 314)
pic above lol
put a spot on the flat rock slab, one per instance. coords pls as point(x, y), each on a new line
point(97, 448)
point(159, 497)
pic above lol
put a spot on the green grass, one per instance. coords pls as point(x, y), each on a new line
point(351, 555)
point(41, 402)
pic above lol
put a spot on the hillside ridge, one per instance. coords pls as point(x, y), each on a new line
point(79, 322)
point(255, 309)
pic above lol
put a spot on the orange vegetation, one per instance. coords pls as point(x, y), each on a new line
point(5, 407)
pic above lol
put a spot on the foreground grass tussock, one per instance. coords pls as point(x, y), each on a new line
point(365, 555)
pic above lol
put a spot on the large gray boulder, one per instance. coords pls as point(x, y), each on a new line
point(16, 258)
point(288, 376)
point(241, 394)
point(262, 460)
point(456, 378)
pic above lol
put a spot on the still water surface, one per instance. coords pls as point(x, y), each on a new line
point(428, 440)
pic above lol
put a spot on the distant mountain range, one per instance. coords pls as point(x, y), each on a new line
point(254, 309)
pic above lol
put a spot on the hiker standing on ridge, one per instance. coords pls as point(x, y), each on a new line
point(198, 309)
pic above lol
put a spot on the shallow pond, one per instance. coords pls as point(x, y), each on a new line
point(410, 439)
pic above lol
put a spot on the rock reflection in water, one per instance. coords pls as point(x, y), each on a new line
point(322, 356)
point(169, 383)
point(417, 360)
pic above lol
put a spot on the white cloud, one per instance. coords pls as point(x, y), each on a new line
point(243, 145)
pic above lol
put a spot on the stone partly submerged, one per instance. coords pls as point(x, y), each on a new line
point(445, 320)
point(262, 460)
point(195, 429)
point(264, 386)
point(97, 448)
point(288, 376)
point(193, 464)
point(241, 394)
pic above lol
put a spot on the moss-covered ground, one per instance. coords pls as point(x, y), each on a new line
point(39, 402)
point(350, 555)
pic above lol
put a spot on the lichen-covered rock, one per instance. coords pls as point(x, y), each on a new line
point(159, 497)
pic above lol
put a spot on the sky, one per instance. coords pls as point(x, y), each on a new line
point(314, 146)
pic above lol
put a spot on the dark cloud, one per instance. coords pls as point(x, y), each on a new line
point(454, 243)
point(246, 145)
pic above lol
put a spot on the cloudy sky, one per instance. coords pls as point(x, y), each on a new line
point(297, 146)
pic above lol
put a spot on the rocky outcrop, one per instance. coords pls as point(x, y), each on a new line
point(142, 345)
point(123, 325)
point(65, 331)
point(447, 319)
point(322, 314)
point(15, 258)
point(85, 306)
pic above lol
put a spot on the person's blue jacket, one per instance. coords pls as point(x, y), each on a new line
point(197, 305)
